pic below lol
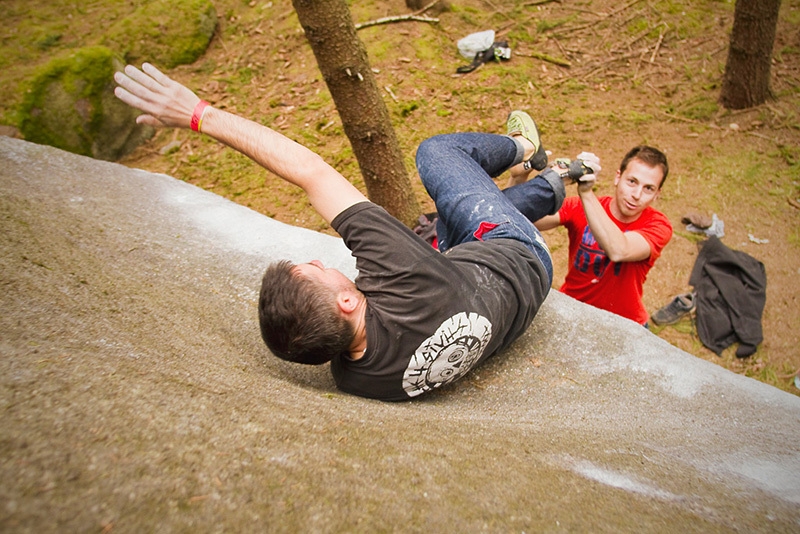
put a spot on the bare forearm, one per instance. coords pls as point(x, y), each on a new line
point(329, 192)
point(548, 222)
point(165, 102)
point(619, 246)
point(271, 150)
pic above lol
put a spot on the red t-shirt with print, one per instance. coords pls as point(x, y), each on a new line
point(593, 278)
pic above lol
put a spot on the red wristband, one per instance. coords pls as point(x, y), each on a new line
point(197, 116)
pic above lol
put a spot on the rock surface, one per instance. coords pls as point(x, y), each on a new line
point(136, 394)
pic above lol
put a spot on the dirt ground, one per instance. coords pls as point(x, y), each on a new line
point(642, 71)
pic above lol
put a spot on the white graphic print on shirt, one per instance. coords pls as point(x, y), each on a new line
point(448, 354)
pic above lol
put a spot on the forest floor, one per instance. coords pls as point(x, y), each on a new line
point(643, 71)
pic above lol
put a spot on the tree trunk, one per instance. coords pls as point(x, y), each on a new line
point(342, 60)
point(746, 80)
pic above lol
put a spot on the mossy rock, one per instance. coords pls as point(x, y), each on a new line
point(166, 33)
point(70, 104)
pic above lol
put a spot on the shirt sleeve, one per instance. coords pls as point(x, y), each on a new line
point(382, 245)
point(657, 231)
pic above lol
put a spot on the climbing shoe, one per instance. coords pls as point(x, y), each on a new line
point(520, 123)
point(672, 312)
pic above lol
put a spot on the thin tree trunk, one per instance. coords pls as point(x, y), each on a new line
point(342, 60)
point(747, 71)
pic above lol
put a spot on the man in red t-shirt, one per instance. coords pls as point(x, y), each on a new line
point(615, 240)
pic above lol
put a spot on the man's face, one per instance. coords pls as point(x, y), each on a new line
point(636, 188)
point(330, 278)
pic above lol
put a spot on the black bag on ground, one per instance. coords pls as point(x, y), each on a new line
point(498, 51)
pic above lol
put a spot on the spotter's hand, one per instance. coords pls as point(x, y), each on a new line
point(590, 161)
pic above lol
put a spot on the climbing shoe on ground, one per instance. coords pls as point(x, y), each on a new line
point(520, 123)
point(672, 312)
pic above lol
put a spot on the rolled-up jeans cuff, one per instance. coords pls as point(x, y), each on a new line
point(555, 181)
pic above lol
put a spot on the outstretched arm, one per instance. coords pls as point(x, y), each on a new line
point(548, 222)
point(166, 102)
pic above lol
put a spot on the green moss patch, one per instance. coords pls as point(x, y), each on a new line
point(165, 32)
point(70, 104)
point(62, 105)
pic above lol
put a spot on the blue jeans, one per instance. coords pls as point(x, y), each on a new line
point(457, 171)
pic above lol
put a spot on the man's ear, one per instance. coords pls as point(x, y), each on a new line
point(347, 301)
point(617, 177)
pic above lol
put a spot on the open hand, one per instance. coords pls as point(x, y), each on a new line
point(164, 101)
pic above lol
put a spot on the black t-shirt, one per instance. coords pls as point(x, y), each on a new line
point(431, 317)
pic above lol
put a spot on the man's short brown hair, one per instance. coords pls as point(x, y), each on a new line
point(299, 319)
point(648, 155)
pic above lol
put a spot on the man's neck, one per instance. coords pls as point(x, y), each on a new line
point(359, 320)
